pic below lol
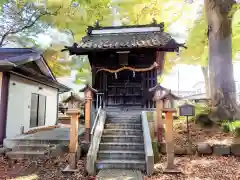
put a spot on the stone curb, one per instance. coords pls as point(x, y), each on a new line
point(205, 149)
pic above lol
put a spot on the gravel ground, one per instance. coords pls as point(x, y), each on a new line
point(193, 168)
point(41, 169)
point(200, 168)
point(198, 134)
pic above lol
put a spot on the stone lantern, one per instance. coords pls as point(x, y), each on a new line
point(73, 101)
point(74, 112)
point(169, 109)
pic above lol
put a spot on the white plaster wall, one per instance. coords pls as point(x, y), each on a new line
point(19, 104)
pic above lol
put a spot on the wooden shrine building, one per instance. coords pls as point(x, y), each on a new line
point(125, 62)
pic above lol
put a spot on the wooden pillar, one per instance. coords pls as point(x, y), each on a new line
point(88, 109)
point(159, 125)
point(73, 146)
point(88, 93)
point(170, 167)
point(158, 92)
point(169, 140)
point(74, 130)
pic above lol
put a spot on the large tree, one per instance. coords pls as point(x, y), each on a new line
point(219, 17)
point(197, 43)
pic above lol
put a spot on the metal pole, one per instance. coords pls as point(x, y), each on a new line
point(97, 102)
point(188, 138)
point(178, 83)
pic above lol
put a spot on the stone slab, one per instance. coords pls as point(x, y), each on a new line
point(58, 134)
point(68, 169)
point(2, 151)
point(221, 150)
point(119, 174)
point(172, 171)
point(54, 134)
point(204, 149)
point(235, 149)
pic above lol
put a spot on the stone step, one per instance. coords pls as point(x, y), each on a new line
point(121, 164)
point(122, 138)
point(135, 132)
point(121, 146)
point(32, 147)
point(26, 154)
point(123, 126)
point(127, 155)
point(119, 174)
point(124, 115)
point(128, 121)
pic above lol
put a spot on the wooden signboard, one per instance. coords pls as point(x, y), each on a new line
point(187, 110)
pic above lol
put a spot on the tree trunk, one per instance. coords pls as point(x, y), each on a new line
point(206, 80)
point(223, 89)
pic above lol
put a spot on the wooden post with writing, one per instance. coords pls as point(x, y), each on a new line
point(88, 94)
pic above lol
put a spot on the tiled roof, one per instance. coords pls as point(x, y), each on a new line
point(74, 97)
point(123, 38)
point(126, 40)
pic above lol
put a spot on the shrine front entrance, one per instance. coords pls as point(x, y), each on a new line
point(126, 88)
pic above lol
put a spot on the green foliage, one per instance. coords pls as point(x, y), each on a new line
point(234, 127)
point(202, 111)
point(143, 11)
point(78, 15)
point(53, 56)
point(197, 43)
point(225, 126)
point(236, 32)
point(202, 108)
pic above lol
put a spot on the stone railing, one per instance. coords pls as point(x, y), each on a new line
point(149, 157)
point(96, 138)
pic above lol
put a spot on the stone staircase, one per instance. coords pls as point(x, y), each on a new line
point(25, 151)
point(34, 149)
point(122, 144)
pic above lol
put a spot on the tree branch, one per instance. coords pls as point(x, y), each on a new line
point(29, 24)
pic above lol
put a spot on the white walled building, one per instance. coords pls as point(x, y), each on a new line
point(29, 92)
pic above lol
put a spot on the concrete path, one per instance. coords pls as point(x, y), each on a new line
point(61, 135)
point(53, 134)
point(119, 174)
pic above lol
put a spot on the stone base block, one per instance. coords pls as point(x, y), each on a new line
point(221, 150)
point(235, 149)
point(68, 169)
point(171, 170)
point(204, 149)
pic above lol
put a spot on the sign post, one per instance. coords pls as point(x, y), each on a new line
point(187, 110)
